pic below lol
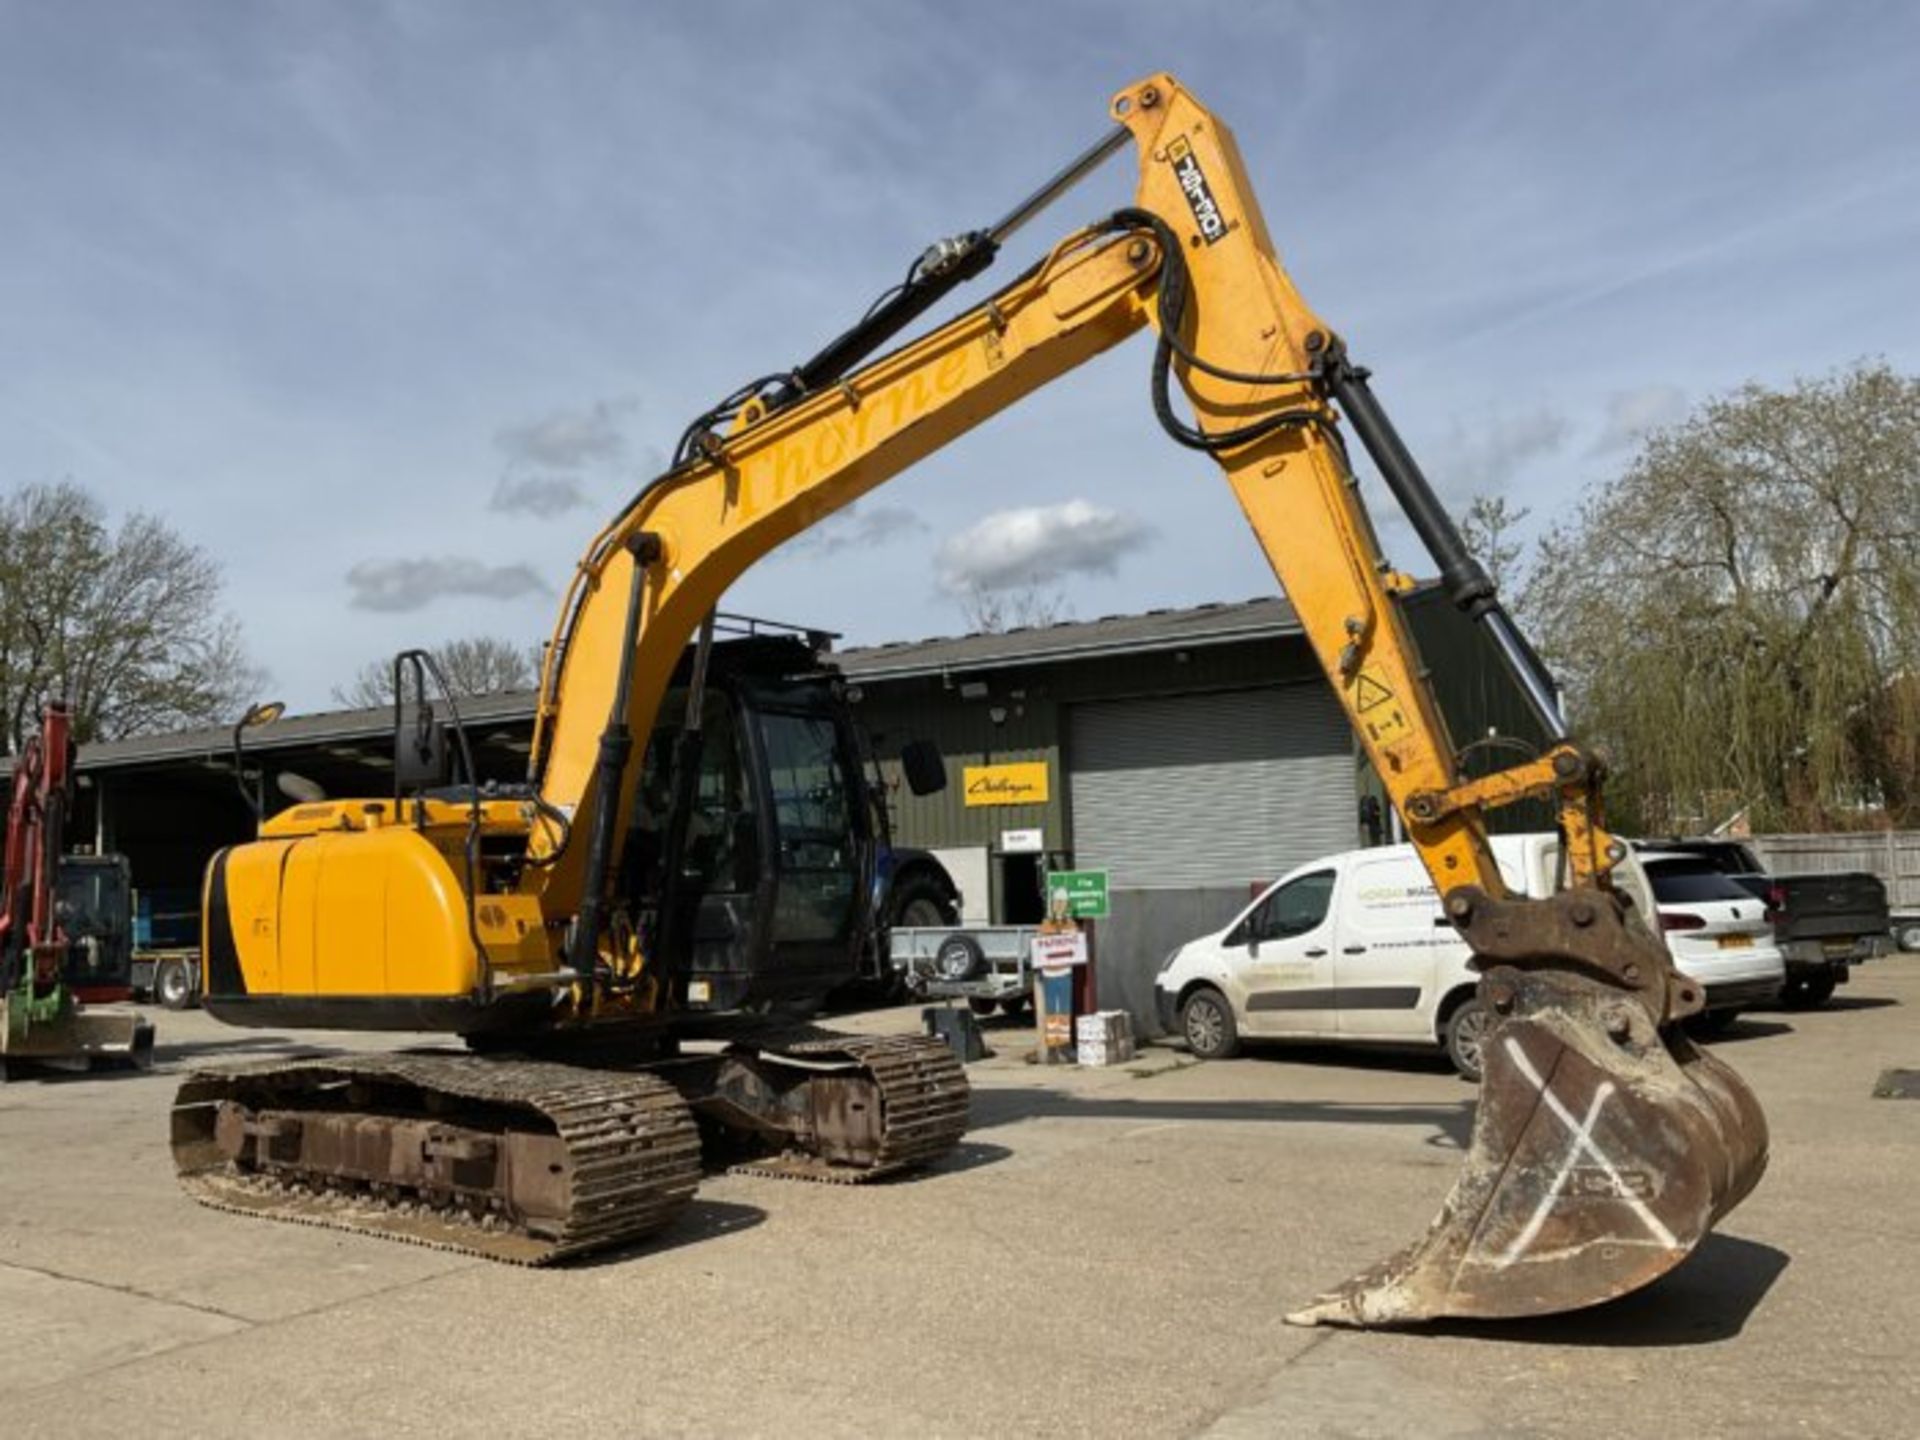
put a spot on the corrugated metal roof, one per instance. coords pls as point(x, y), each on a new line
point(1194, 626)
point(294, 732)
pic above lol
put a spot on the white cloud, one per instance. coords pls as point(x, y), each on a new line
point(856, 527)
point(1037, 544)
point(1633, 414)
point(393, 585)
point(1488, 458)
point(540, 495)
point(569, 439)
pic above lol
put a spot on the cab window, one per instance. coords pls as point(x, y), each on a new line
point(1295, 908)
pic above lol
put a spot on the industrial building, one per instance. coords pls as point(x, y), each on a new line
point(1191, 753)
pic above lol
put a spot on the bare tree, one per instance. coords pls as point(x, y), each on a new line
point(1487, 527)
point(1738, 615)
point(476, 665)
point(125, 623)
point(990, 612)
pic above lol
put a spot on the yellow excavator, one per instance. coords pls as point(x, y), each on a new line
point(627, 997)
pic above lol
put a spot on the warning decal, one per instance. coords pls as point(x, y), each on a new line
point(1377, 708)
point(1368, 692)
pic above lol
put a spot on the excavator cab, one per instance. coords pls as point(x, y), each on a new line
point(768, 904)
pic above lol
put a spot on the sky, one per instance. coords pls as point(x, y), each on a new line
point(387, 306)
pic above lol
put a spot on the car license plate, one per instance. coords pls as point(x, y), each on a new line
point(1838, 949)
point(1736, 942)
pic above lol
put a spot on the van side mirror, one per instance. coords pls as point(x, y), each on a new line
point(924, 766)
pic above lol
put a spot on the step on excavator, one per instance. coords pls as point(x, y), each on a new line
point(46, 988)
point(626, 941)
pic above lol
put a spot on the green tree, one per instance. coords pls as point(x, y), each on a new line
point(1737, 617)
point(124, 622)
point(476, 665)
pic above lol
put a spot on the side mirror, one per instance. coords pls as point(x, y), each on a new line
point(420, 750)
point(419, 740)
point(263, 712)
point(924, 766)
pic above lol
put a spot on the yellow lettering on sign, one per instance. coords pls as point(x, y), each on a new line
point(1024, 783)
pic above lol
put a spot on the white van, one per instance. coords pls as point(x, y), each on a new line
point(1355, 948)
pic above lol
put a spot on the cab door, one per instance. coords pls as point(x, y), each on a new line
point(1281, 955)
point(815, 809)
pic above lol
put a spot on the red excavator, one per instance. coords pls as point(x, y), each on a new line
point(44, 1022)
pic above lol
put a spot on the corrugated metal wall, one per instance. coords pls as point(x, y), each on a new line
point(1224, 788)
point(931, 707)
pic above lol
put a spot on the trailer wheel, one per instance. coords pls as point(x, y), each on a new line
point(173, 984)
point(981, 1006)
point(959, 958)
point(1907, 937)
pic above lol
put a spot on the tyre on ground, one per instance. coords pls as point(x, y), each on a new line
point(173, 984)
point(1206, 1024)
point(1469, 1025)
point(1808, 992)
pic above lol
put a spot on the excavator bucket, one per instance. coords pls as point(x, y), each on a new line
point(72, 1038)
point(1603, 1151)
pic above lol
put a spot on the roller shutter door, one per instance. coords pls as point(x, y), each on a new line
point(1209, 790)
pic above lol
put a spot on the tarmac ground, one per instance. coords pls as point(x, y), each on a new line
point(1109, 1252)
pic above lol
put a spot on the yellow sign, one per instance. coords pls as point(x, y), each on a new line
point(1021, 784)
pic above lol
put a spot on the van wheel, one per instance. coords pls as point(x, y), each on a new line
point(1466, 1035)
point(1206, 1020)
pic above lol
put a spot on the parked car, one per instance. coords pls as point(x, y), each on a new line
point(1825, 925)
point(1352, 948)
point(1717, 931)
point(1824, 922)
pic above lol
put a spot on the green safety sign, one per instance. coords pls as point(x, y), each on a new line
point(1085, 893)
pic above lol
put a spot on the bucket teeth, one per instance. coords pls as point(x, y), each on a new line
point(1603, 1151)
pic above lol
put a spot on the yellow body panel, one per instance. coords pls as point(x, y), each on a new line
point(354, 914)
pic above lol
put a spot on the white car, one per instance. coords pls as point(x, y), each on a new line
point(1355, 948)
point(1718, 933)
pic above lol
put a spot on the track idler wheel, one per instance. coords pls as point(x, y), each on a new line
point(1604, 1149)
